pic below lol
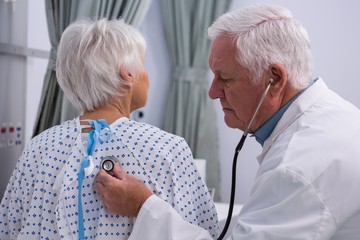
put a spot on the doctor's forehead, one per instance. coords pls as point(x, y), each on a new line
point(222, 49)
point(221, 59)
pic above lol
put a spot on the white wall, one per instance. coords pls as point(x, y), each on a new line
point(334, 32)
point(38, 38)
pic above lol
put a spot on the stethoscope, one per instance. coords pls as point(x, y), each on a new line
point(237, 150)
point(108, 163)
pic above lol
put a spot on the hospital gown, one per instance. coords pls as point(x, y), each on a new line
point(41, 199)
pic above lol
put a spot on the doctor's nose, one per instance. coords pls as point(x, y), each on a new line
point(216, 90)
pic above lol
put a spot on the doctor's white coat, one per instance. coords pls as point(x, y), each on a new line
point(307, 185)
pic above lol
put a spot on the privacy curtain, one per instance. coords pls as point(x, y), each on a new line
point(54, 107)
point(190, 113)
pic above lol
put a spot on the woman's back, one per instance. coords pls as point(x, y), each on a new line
point(41, 200)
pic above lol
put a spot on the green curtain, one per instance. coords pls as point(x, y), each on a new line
point(54, 106)
point(190, 113)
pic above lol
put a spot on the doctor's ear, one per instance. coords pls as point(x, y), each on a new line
point(125, 74)
point(278, 79)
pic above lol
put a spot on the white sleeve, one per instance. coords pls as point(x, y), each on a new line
point(157, 220)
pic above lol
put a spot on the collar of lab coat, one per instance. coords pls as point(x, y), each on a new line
point(296, 109)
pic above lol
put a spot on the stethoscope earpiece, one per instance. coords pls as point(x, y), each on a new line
point(108, 163)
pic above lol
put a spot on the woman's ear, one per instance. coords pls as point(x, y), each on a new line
point(279, 78)
point(125, 75)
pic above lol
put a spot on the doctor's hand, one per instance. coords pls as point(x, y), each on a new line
point(121, 193)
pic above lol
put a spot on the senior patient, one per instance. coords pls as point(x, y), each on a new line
point(51, 193)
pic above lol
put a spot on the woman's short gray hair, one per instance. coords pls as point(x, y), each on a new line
point(90, 56)
point(265, 35)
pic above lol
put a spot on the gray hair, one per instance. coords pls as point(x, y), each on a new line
point(90, 56)
point(265, 35)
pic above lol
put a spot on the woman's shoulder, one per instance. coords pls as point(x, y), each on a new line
point(131, 127)
point(144, 134)
point(55, 134)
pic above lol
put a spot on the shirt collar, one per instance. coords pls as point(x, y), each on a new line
point(266, 129)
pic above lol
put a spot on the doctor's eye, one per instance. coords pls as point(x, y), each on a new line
point(220, 78)
point(225, 80)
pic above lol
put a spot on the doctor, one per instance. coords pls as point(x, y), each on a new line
point(307, 185)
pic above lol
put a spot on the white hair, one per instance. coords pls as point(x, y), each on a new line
point(90, 56)
point(266, 35)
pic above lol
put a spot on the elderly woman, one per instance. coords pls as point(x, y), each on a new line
point(51, 193)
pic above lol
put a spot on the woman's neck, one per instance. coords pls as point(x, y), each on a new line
point(110, 112)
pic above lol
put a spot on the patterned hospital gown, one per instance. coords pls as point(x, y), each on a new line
point(41, 201)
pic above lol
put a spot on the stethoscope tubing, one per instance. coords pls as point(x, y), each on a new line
point(237, 150)
point(233, 186)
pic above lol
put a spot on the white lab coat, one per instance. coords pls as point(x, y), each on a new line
point(307, 185)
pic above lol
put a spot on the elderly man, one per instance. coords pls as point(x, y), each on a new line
point(307, 185)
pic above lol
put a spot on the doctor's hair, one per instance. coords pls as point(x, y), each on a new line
point(90, 56)
point(266, 35)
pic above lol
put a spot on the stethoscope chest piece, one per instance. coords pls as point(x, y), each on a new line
point(108, 163)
